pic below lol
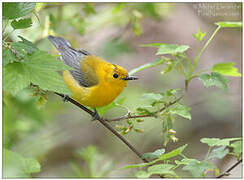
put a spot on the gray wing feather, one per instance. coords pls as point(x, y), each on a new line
point(71, 57)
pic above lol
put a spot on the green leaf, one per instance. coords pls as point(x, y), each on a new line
point(169, 66)
point(151, 96)
point(89, 9)
point(153, 155)
point(173, 153)
point(181, 110)
point(23, 47)
point(218, 142)
point(30, 47)
point(142, 174)
point(185, 161)
point(16, 166)
point(153, 45)
point(148, 65)
point(162, 169)
point(15, 10)
point(48, 80)
point(144, 111)
point(197, 168)
point(214, 79)
point(199, 35)
point(40, 69)
point(171, 49)
point(237, 148)
point(118, 7)
point(15, 77)
point(219, 153)
point(22, 23)
point(137, 165)
point(229, 24)
point(41, 60)
point(226, 69)
point(8, 56)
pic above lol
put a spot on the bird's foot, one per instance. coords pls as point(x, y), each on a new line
point(95, 115)
point(65, 98)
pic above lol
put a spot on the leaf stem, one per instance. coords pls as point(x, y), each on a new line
point(207, 155)
point(196, 60)
point(103, 122)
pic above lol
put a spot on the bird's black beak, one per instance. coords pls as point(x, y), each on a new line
point(130, 78)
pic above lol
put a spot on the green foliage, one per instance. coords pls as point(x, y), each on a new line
point(39, 68)
point(146, 66)
point(8, 56)
point(237, 148)
point(218, 142)
point(181, 110)
point(15, 10)
point(153, 155)
point(219, 153)
point(226, 142)
point(22, 23)
point(164, 48)
point(164, 170)
point(171, 49)
point(214, 79)
point(15, 77)
point(196, 167)
point(199, 35)
point(229, 24)
point(25, 64)
point(226, 69)
point(199, 168)
point(23, 47)
point(16, 166)
point(89, 9)
point(97, 165)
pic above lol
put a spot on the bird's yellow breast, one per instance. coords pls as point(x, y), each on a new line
point(98, 95)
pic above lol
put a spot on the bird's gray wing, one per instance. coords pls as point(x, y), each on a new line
point(72, 57)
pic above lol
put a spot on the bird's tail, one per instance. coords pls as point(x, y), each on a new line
point(69, 55)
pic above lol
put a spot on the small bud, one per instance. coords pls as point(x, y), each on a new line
point(129, 122)
point(174, 139)
point(139, 120)
point(119, 127)
point(171, 131)
point(139, 130)
point(127, 130)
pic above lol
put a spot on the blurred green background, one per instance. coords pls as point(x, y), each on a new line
point(63, 138)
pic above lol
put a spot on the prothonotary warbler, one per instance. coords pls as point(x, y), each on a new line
point(94, 82)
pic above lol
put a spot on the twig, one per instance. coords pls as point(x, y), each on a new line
point(128, 115)
point(101, 120)
point(226, 173)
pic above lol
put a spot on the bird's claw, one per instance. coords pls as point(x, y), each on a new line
point(95, 115)
point(65, 98)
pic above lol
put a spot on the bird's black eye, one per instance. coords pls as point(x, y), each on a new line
point(115, 75)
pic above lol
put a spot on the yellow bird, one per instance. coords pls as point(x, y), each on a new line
point(93, 82)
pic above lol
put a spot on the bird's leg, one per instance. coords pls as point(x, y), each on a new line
point(65, 98)
point(95, 115)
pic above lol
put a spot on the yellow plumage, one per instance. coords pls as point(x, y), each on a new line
point(107, 89)
point(93, 82)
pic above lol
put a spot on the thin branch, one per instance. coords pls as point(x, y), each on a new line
point(128, 115)
point(101, 120)
point(226, 173)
